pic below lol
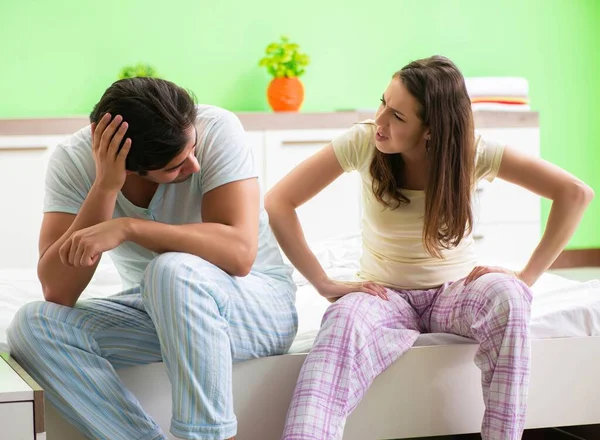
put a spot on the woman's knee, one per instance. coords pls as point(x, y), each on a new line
point(352, 309)
point(505, 293)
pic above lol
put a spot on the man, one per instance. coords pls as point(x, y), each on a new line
point(170, 190)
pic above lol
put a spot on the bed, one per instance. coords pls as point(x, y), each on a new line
point(434, 389)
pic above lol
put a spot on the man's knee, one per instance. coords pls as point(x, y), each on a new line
point(29, 325)
point(173, 276)
point(172, 267)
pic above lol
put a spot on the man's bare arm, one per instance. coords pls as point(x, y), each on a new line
point(61, 283)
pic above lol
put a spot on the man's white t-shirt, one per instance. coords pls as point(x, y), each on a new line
point(224, 156)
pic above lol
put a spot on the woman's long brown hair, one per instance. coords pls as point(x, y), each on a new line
point(445, 107)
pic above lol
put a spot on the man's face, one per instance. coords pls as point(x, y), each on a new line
point(182, 166)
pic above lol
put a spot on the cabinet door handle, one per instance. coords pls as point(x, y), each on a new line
point(22, 149)
point(309, 142)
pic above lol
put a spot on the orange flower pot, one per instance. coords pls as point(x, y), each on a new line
point(285, 94)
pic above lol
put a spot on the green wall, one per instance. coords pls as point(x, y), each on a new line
point(58, 57)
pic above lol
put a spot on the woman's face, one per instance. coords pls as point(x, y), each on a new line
point(399, 129)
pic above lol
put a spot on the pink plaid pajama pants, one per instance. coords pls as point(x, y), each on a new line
point(362, 335)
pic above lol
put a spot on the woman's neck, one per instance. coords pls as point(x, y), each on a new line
point(416, 170)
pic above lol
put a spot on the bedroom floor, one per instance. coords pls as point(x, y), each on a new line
point(578, 273)
point(591, 432)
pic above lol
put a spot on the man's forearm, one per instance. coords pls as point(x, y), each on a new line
point(61, 283)
point(224, 246)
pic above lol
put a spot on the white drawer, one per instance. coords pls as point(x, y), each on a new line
point(333, 212)
point(525, 139)
point(286, 149)
point(19, 227)
point(16, 421)
point(506, 244)
point(504, 202)
point(255, 141)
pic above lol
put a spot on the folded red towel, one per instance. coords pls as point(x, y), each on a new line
point(500, 99)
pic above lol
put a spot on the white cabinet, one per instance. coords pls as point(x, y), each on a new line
point(336, 210)
point(507, 217)
point(16, 420)
point(332, 213)
point(23, 161)
point(256, 142)
point(506, 244)
point(21, 403)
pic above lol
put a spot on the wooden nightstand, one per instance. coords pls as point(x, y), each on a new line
point(21, 403)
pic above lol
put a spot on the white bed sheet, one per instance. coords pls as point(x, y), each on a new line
point(20, 286)
point(561, 307)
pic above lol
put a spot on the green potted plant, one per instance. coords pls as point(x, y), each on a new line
point(285, 63)
point(138, 70)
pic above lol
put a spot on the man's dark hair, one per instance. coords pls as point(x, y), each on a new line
point(158, 113)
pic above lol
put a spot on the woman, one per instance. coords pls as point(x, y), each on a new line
point(419, 162)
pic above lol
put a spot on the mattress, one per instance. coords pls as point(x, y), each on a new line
point(561, 308)
point(20, 286)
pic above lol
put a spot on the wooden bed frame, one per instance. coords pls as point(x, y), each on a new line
point(430, 391)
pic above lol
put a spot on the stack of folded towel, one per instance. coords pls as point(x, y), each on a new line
point(498, 93)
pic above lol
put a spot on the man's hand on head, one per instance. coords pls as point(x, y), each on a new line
point(107, 137)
